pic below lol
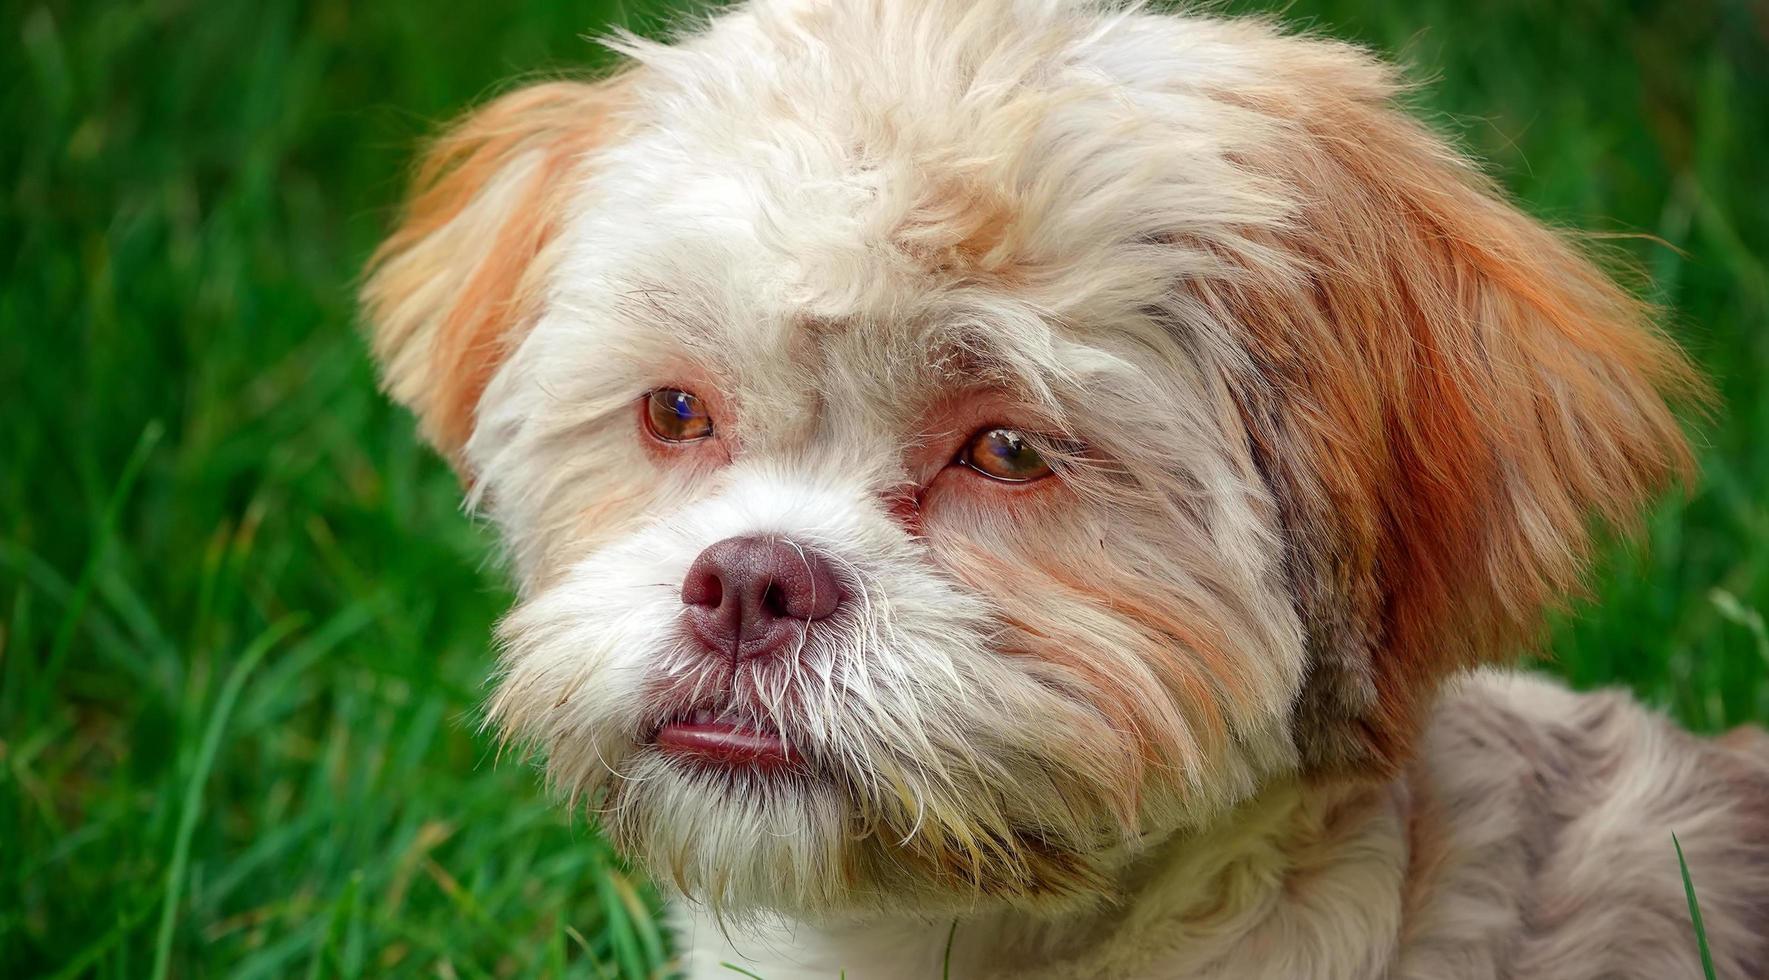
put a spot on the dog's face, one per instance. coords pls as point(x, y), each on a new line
point(943, 446)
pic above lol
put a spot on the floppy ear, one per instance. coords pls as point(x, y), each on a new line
point(453, 289)
point(1445, 393)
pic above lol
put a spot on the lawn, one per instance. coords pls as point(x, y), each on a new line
point(243, 621)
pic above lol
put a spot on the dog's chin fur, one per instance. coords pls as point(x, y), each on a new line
point(1329, 422)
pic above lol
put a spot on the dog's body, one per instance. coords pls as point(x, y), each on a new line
point(1036, 465)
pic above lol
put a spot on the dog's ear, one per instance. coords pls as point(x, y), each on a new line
point(1446, 393)
point(457, 283)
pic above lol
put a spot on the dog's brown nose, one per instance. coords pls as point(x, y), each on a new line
point(751, 596)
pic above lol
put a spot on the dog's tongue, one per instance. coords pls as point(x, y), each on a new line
point(722, 742)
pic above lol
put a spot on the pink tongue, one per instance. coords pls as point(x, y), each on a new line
point(722, 742)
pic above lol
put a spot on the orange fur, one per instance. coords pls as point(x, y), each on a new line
point(1169, 712)
point(1462, 386)
point(962, 229)
point(452, 289)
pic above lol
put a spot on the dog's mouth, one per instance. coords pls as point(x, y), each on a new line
point(701, 735)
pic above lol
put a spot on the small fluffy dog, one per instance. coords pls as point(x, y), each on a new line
point(1035, 484)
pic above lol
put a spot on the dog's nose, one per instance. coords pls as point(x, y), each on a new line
point(752, 595)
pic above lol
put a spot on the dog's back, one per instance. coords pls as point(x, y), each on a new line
point(1542, 839)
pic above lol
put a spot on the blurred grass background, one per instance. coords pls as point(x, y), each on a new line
point(243, 624)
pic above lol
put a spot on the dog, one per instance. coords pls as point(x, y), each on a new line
point(1045, 488)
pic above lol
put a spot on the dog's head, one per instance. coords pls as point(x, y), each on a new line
point(943, 444)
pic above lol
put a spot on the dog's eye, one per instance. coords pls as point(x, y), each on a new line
point(674, 415)
point(1004, 454)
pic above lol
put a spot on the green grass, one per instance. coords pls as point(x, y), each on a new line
point(1701, 932)
point(243, 623)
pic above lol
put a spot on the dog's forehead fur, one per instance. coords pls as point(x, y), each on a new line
point(840, 234)
point(1009, 162)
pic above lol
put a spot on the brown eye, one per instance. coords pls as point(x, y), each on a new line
point(1004, 454)
point(674, 415)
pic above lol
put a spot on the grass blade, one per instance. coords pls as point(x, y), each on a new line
point(946, 961)
point(102, 535)
point(1701, 932)
point(193, 790)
